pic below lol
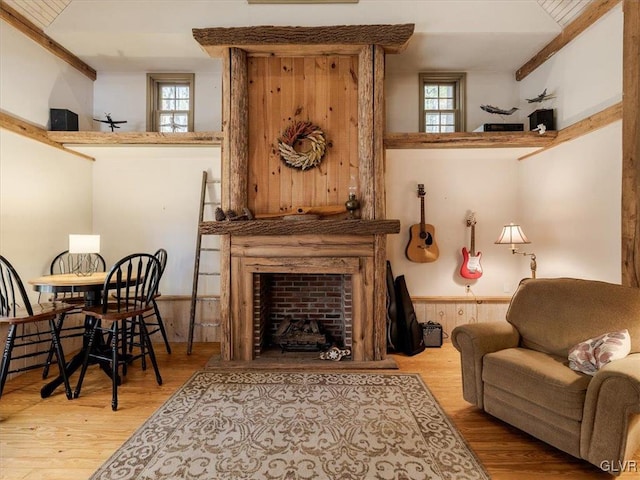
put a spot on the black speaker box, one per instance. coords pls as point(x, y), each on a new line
point(503, 127)
point(63, 120)
point(544, 116)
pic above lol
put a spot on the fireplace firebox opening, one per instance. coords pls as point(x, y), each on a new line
point(300, 312)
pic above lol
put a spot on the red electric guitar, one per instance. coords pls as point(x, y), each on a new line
point(471, 267)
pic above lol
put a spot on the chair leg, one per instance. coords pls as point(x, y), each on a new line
point(125, 354)
point(52, 348)
point(6, 356)
point(114, 364)
point(161, 326)
point(62, 365)
point(143, 345)
point(87, 353)
point(152, 354)
point(132, 335)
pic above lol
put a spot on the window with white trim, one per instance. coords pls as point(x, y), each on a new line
point(170, 102)
point(442, 102)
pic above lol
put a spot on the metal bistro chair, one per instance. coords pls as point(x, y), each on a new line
point(127, 295)
point(157, 325)
point(63, 263)
point(24, 342)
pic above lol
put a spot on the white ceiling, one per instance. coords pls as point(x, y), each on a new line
point(155, 35)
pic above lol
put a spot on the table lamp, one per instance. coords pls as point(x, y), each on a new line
point(83, 246)
point(513, 235)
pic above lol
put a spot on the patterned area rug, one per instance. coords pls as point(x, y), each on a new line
point(297, 426)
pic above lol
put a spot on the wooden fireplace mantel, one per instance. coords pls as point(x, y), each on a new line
point(332, 76)
point(301, 227)
point(291, 41)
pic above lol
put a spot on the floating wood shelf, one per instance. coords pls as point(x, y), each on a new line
point(391, 140)
point(469, 140)
point(136, 138)
point(301, 227)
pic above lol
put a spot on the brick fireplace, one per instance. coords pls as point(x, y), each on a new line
point(282, 300)
point(332, 77)
point(344, 263)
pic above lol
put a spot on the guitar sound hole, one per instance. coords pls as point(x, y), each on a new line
point(428, 239)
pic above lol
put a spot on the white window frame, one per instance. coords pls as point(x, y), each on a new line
point(154, 80)
point(458, 79)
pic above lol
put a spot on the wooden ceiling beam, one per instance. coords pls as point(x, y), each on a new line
point(588, 17)
point(28, 28)
point(290, 41)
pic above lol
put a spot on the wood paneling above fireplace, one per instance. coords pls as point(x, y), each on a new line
point(322, 90)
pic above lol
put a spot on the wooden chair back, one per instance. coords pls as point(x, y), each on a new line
point(132, 282)
point(66, 262)
point(13, 296)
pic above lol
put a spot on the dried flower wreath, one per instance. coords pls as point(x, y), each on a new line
point(302, 131)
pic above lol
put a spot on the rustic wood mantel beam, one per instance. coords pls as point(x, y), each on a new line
point(286, 40)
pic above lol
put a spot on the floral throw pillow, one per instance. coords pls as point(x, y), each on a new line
point(589, 356)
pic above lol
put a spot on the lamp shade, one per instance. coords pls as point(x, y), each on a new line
point(84, 243)
point(512, 235)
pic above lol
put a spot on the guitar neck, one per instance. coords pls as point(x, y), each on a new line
point(473, 240)
point(422, 228)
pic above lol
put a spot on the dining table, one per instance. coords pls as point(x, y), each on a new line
point(91, 286)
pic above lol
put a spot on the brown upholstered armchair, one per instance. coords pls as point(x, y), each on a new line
point(518, 370)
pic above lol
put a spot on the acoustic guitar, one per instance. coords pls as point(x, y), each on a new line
point(422, 246)
point(471, 267)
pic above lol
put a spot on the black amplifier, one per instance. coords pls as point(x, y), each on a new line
point(432, 334)
point(503, 127)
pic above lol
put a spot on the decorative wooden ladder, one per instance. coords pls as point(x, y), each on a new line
point(196, 268)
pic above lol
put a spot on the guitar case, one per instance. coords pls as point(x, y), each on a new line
point(410, 331)
point(392, 313)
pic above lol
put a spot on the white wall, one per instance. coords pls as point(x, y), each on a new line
point(45, 193)
point(494, 88)
point(124, 95)
point(32, 81)
point(570, 195)
point(567, 199)
point(585, 75)
point(570, 199)
point(457, 182)
point(145, 198)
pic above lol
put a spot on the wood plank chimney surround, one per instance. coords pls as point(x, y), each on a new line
point(333, 77)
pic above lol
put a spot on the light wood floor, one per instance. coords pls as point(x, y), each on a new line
point(58, 439)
